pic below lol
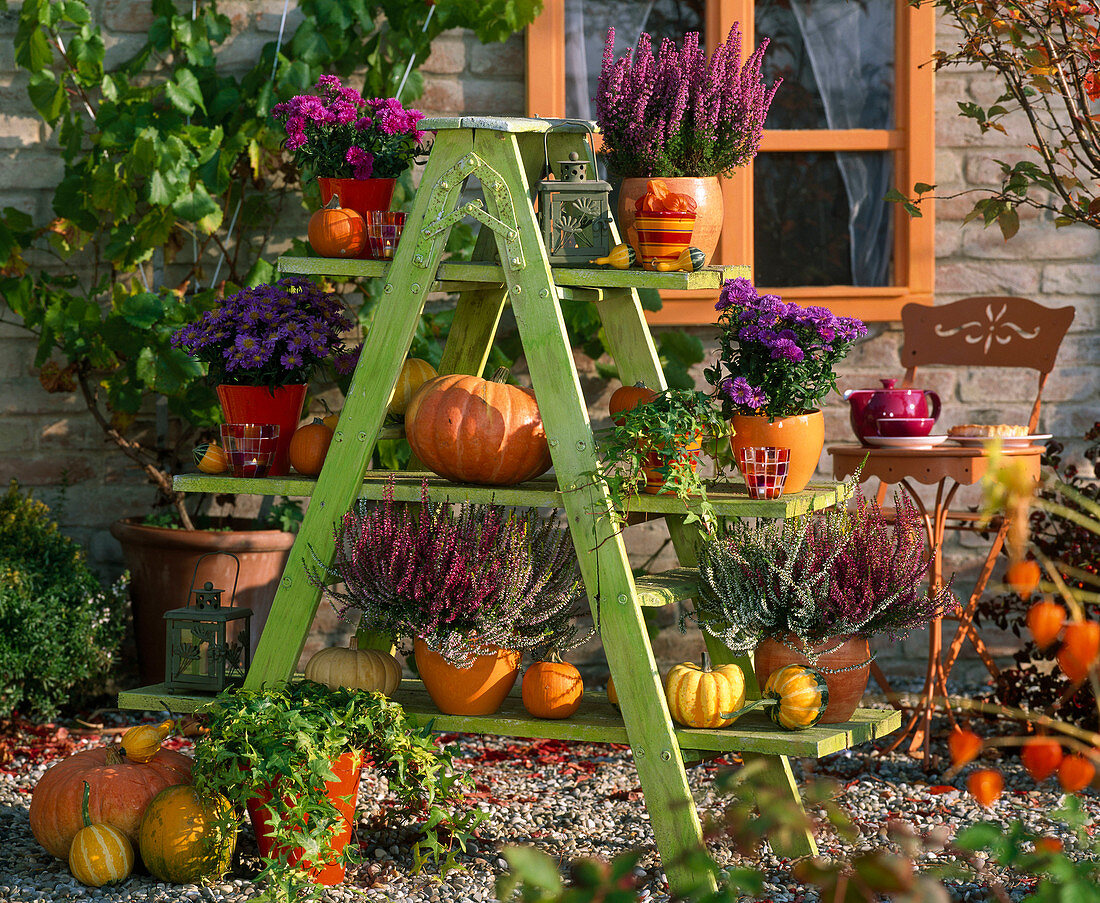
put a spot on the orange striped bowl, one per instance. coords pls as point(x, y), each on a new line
point(662, 236)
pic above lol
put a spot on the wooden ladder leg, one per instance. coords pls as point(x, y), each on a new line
point(337, 487)
point(777, 768)
point(599, 546)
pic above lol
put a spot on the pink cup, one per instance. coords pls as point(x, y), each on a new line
point(905, 427)
point(764, 468)
point(250, 447)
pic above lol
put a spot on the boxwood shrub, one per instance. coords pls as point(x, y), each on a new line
point(59, 627)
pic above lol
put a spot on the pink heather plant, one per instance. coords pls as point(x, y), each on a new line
point(459, 578)
point(678, 114)
point(342, 135)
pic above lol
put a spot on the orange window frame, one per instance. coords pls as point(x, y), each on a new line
point(912, 142)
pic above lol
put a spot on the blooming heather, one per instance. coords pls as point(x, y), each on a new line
point(776, 358)
point(678, 114)
point(270, 335)
point(338, 133)
point(458, 577)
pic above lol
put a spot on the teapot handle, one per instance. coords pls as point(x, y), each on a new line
point(935, 403)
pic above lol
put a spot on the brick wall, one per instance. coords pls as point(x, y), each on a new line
point(45, 436)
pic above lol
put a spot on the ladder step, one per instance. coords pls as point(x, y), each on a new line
point(668, 587)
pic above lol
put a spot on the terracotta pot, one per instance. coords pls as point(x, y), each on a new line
point(477, 690)
point(359, 195)
point(709, 211)
point(845, 686)
point(162, 562)
point(654, 481)
point(803, 434)
point(344, 793)
point(257, 404)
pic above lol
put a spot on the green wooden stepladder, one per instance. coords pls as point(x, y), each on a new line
point(506, 157)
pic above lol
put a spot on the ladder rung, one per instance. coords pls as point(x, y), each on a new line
point(668, 587)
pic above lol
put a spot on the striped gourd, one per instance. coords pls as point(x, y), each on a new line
point(799, 697)
point(100, 854)
point(697, 696)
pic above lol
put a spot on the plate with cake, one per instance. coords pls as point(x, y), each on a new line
point(975, 435)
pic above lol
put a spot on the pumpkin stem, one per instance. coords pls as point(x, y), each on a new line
point(84, 806)
point(755, 704)
point(113, 757)
point(640, 384)
point(501, 375)
point(706, 662)
point(333, 203)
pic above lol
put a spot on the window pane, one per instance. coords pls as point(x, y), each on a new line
point(836, 58)
point(820, 219)
point(586, 24)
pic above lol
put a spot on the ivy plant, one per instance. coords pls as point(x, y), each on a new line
point(288, 737)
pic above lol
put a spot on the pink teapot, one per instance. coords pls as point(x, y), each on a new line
point(871, 405)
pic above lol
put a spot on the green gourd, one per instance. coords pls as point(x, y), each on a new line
point(621, 257)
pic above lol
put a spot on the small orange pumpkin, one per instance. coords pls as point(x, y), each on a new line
point(626, 398)
point(473, 430)
point(309, 446)
point(336, 231)
point(552, 689)
point(414, 373)
point(141, 742)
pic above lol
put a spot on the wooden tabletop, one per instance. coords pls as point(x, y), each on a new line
point(926, 465)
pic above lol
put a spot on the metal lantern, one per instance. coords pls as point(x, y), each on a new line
point(208, 645)
point(574, 210)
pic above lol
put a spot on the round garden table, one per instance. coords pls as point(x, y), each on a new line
point(947, 467)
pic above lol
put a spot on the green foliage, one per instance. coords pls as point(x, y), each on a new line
point(662, 437)
point(1043, 55)
point(289, 736)
point(59, 629)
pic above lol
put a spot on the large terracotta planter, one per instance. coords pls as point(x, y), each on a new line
point(359, 195)
point(257, 404)
point(344, 794)
point(803, 434)
point(845, 669)
point(709, 211)
point(162, 562)
point(477, 690)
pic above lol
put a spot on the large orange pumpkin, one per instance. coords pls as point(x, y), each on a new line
point(473, 430)
point(120, 791)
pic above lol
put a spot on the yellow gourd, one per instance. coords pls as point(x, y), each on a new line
point(796, 697)
point(414, 373)
point(690, 260)
point(100, 854)
point(621, 257)
point(210, 458)
point(356, 669)
point(185, 837)
point(141, 743)
point(697, 696)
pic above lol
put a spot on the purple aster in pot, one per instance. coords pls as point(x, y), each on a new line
point(269, 335)
point(780, 350)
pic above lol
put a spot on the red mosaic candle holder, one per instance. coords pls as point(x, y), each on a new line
point(250, 447)
point(764, 468)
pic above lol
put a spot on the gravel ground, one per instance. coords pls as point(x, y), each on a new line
point(569, 800)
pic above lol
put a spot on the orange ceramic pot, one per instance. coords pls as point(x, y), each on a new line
point(845, 669)
point(709, 210)
point(477, 690)
point(803, 434)
point(654, 479)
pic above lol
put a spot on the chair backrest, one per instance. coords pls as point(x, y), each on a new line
point(985, 332)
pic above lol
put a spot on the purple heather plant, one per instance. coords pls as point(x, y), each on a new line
point(461, 578)
point(678, 114)
point(838, 573)
point(338, 133)
point(270, 335)
point(776, 358)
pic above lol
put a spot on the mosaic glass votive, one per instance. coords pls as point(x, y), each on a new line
point(250, 447)
point(383, 230)
point(764, 468)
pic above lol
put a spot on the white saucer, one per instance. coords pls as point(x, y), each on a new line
point(1006, 441)
point(905, 441)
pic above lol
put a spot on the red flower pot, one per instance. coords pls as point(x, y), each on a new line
point(360, 195)
point(344, 793)
point(257, 404)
